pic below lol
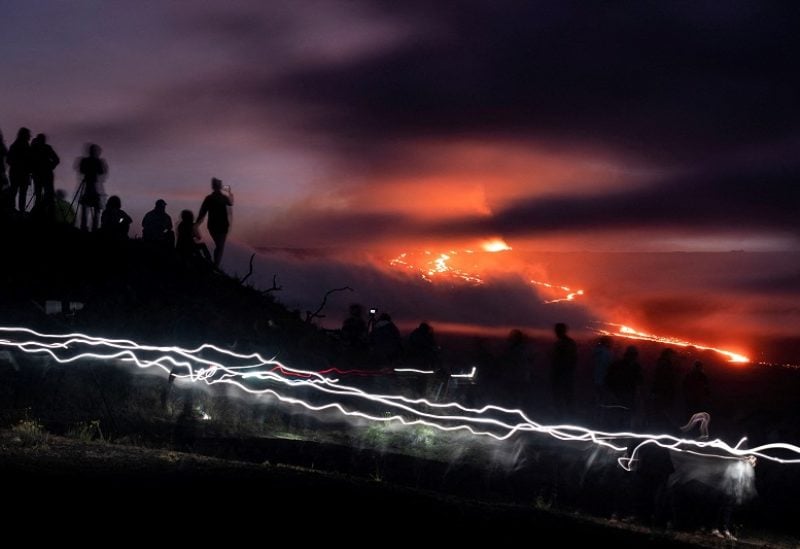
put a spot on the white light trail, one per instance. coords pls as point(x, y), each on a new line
point(212, 365)
point(413, 371)
point(470, 375)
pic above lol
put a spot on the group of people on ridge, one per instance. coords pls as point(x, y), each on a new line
point(34, 161)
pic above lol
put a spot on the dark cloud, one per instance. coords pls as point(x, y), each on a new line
point(760, 201)
point(666, 80)
point(756, 202)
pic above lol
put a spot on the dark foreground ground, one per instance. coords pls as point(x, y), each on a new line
point(133, 492)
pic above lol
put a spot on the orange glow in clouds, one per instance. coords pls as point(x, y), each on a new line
point(496, 245)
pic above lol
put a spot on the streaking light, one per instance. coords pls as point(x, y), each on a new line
point(412, 371)
point(256, 375)
point(470, 375)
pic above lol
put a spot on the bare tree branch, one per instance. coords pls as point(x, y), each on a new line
point(250, 272)
point(316, 314)
point(275, 287)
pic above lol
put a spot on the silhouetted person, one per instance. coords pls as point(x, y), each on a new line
point(652, 469)
point(624, 382)
point(6, 200)
point(385, 339)
point(665, 382)
point(189, 244)
point(43, 161)
point(601, 360)
point(115, 222)
point(513, 381)
point(93, 170)
point(696, 392)
point(423, 352)
point(63, 213)
point(19, 167)
point(738, 487)
point(354, 334)
point(157, 226)
point(216, 207)
point(562, 374)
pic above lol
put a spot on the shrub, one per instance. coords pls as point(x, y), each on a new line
point(30, 432)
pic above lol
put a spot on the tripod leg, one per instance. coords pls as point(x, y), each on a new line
point(78, 193)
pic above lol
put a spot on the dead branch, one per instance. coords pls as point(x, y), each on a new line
point(250, 272)
point(316, 314)
point(275, 287)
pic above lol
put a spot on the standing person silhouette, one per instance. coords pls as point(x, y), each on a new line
point(93, 170)
point(19, 167)
point(562, 373)
point(43, 161)
point(216, 206)
point(6, 201)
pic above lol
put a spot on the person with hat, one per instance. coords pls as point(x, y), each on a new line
point(157, 226)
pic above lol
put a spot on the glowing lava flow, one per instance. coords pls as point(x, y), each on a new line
point(436, 265)
point(630, 333)
point(571, 294)
point(315, 392)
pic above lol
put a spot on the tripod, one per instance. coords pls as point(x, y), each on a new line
point(95, 209)
point(78, 194)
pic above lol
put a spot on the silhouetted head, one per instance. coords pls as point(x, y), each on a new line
point(667, 354)
point(93, 150)
point(425, 328)
point(356, 310)
point(216, 184)
point(187, 216)
point(604, 341)
point(114, 202)
point(40, 139)
point(160, 204)
point(385, 317)
point(561, 329)
point(631, 352)
point(516, 337)
point(24, 134)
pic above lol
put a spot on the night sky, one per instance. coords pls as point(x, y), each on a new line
point(384, 126)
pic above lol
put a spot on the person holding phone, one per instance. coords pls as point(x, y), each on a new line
point(217, 206)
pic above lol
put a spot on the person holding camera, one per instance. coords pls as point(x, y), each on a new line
point(217, 206)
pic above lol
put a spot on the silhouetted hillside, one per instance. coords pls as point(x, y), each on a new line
point(132, 290)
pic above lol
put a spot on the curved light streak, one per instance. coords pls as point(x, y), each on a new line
point(242, 370)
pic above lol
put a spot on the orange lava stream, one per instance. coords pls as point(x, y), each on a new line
point(629, 333)
point(437, 266)
point(571, 294)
